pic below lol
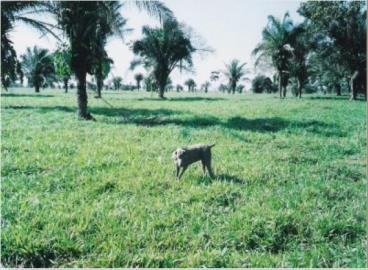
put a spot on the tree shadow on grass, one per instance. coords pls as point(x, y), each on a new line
point(41, 109)
point(152, 118)
point(342, 98)
point(230, 178)
point(275, 124)
point(206, 180)
point(161, 117)
point(133, 113)
point(183, 99)
point(25, 95)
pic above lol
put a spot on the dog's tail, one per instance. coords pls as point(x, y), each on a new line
point(212, 145)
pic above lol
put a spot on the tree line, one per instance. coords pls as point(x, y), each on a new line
point(326, 51)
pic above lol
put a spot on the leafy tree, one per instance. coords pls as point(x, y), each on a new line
point(62, 57)
point(162, 50)
point(215, 75)
point(223, 88)
point(191, 84)
point(150, 83)
point(277, 38)
point(138, 78)
point(234, 72)
point(117, 82)
point(37, 65)
point(205, 86)
point(169, 85)
point(261, 84)
point(179, 88)
point(343, 23)
point(240, 88)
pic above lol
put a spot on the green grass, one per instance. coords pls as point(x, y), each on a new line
point(289, 188)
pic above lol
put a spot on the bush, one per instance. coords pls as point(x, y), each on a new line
point(262, 84)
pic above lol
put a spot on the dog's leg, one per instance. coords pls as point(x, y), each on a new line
point(207, 161)
point(203, 167)
point(182, 171)
point(177, 171)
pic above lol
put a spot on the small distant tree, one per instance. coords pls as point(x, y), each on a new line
point(215, 75)
point(149, 83)
point(240, 88)
point(261, 84)
point(169, 85)
point(179, 88)
point(101, 70)
point(117, 82)
point(234, 72)
point(37, 65)
point(205, 86)
point(138, 78)
point(62, 57)
point(191, 84)
point(223, 88)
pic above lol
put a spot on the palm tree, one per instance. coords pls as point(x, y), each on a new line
point(12, 12)
point(235, 71)
point(277, 38)
point(37, 65)
point(87, 25)
point(138, 78)
point(300, 52)
point(162, 50)
point(111, 24)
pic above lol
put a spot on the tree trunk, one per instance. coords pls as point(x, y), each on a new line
point(82, 97)
point(348, 83)
point(280, 84)
point(338, 89)
point(352, 85)
point(284, 92)
point(66, 80)
point(99, 84)
point(299, 88)
point(37, 88)
point(161, 92)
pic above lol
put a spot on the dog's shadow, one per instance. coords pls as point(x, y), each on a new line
point(206, 180)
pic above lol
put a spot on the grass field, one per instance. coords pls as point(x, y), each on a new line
point(289, 189)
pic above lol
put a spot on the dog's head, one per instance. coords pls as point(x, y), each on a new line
point(177, 153)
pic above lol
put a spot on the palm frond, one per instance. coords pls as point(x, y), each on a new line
point(43, 27)
point(154, 8)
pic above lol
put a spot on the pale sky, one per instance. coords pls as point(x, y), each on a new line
point(231, 27)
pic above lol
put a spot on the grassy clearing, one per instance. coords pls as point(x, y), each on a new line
point(289, 191)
